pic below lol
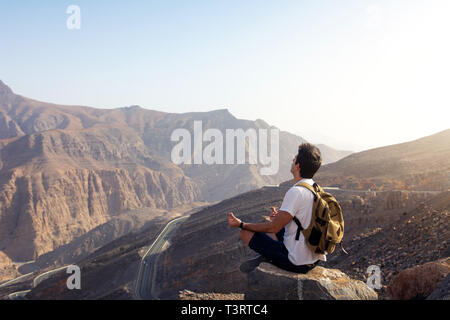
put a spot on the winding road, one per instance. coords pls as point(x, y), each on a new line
point(145, 288)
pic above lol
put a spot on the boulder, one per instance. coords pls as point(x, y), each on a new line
point(418, 282)
point(442, 292)
point(267, 282)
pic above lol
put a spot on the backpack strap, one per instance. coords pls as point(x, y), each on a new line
point(309, 187)
point(297, 222)
point(299, 228)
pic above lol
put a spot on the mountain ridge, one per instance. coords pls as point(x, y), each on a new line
point(65, 170)
point(420, 164)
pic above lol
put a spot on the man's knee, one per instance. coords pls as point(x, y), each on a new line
point(246, 236)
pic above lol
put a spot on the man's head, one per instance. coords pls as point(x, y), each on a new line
point(307, 161)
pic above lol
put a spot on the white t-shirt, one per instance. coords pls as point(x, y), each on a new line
point(298, 201)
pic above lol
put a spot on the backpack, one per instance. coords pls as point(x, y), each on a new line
point(327, 222)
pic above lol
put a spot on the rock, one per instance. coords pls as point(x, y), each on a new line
point(190, 295)
point(6, 267)
point(267, 282)
point(357, 202)
point(63, 206)
point(442, 292)
point(418, 282)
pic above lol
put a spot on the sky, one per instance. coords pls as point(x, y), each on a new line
point(351, 74)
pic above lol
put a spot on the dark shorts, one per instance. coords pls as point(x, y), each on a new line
point(276, 252)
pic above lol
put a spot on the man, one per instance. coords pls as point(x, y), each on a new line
point(275, 240)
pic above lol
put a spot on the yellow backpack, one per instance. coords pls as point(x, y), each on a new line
point(327, 222)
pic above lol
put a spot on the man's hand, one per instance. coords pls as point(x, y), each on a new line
point(273, 214)
point(233, 221)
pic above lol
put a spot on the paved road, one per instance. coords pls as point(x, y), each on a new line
point(145, 288)
point(46, 275)
point(145, 284)
point(16, 280)
point(20, 295)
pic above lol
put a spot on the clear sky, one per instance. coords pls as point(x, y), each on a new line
point(352, 74)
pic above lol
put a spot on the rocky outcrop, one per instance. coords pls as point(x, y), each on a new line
point(442, 292)
point(57, 185)
point(40, 212)
point(418, 282)
point(5, 267)
point(268, 282)
point(404, 241)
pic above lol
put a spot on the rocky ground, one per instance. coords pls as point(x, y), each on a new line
point(189, 295)
point(413, 238)
point(205, 254)
point(422, 281)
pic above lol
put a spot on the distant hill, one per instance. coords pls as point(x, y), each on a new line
point(65, 170)
point(422, 164)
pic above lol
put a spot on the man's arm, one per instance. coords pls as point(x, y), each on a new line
point(281, 219)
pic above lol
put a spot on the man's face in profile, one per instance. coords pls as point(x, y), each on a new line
point(295, 167)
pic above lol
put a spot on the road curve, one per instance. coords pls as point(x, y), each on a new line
point(20, 295)
point(145, 281)
point(14, 281)
point(144, 285)
point(46, 275)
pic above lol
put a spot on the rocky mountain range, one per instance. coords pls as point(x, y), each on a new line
point(66, 170)
point(395, 202)
point(205, 254)
point(393, 229)
point(422, 164)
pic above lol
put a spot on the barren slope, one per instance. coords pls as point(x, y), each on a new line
point(422, 164)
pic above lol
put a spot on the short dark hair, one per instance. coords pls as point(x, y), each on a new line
point(309, 158)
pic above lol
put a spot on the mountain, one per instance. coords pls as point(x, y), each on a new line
point(205, 253)
point(422, 164)
point(395, 203)
point(331, 155)
point(6, 269)
point(66, 170)
point(393, 229)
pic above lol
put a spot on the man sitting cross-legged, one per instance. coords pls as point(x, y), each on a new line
point(275, 240)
